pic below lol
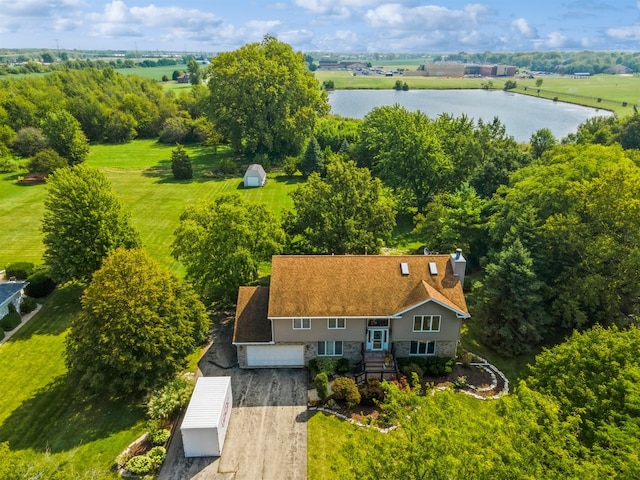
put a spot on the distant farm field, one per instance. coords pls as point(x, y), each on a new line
point(140, 175)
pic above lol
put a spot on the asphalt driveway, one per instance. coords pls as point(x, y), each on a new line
point(267, 434)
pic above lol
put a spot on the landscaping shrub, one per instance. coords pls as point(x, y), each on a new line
point(343, 365)
point(227, 165)
point(412, 368)
point(157, 435)
point(40, 283)
point(326, 365)
point(170, 399)
point(291, 165)
point(28, 305)
point(10, 321)
point(20, 270)
point(371, 393)
point(8, 165)
point(157, 456)
point(322, 385)
point(140, 465)
point(439, 365)
point(345, 388)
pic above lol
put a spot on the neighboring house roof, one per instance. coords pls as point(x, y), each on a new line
point(360, 285)
point(252, 324)
point(9, 289)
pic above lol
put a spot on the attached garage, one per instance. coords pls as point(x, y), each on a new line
point(275, 355)
point(207, 418)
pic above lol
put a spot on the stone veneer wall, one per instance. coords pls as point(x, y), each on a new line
point(444, 348)
point(350, 350)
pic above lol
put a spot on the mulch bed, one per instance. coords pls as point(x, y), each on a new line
point(475, 376)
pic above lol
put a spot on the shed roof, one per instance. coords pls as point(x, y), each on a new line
point(255, 169)
point(207, 403)
point(360, 285)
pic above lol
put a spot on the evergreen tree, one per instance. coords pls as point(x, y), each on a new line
point(313, 159)
point(181, 164)
point(511, 306)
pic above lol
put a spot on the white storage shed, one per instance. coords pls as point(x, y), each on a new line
point(205, 424)
point(255, 176)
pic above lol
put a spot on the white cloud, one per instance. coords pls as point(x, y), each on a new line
point(37, 8)
point(631, 32)
point(118, 19)
point(554, 40)
point(522, 26)
point(425, 17)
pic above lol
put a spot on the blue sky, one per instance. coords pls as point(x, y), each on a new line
point(322, 25)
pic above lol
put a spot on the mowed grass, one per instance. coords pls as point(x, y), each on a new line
point(343, 80)
point(41, 411)
point(327, 437)
point(140, 176)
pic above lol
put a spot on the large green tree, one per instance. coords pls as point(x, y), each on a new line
point(595, 378)
point(404, 150)
point(137, 326)
point(83, 222)
point(222, 243)
point(65, 136)
point(346, 212)
point(264, 99)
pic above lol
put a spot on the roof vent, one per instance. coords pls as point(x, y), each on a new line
point(404, 268)
point(433, 268)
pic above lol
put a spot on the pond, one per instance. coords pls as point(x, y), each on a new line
point(522, 115)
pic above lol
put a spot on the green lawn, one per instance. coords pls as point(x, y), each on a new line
point(41, 411)
point(140, 174)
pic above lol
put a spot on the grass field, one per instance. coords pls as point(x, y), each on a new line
point(140, 175)
point(42, 414)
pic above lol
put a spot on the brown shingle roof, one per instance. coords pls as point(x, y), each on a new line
point(359, 285)
point(252, 324)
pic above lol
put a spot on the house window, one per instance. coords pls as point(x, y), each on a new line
point(426, 323)
point(329, 349)
point(378, 322)
point(423, 348)
point(337, 323)
point(301, 323)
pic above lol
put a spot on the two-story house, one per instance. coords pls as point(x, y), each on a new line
point(348, 305)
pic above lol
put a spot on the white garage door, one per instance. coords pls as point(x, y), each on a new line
point(251, 182)
point(275, 355)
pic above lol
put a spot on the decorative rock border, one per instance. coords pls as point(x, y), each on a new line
point(493, 371)
point(351, 420)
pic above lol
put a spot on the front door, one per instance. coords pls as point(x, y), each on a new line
point(377, 339)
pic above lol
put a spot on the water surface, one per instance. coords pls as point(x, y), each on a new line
point(522, 115)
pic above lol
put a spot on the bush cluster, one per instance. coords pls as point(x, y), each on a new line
point(10, 321)
point(157, 436)
point(428, 365)
point(322, 385)
point(371, 393)
point(345, 388)
point(20, 270)
point(145, 464)
point(170, 399)
point(28, 305)
point(40, 283)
